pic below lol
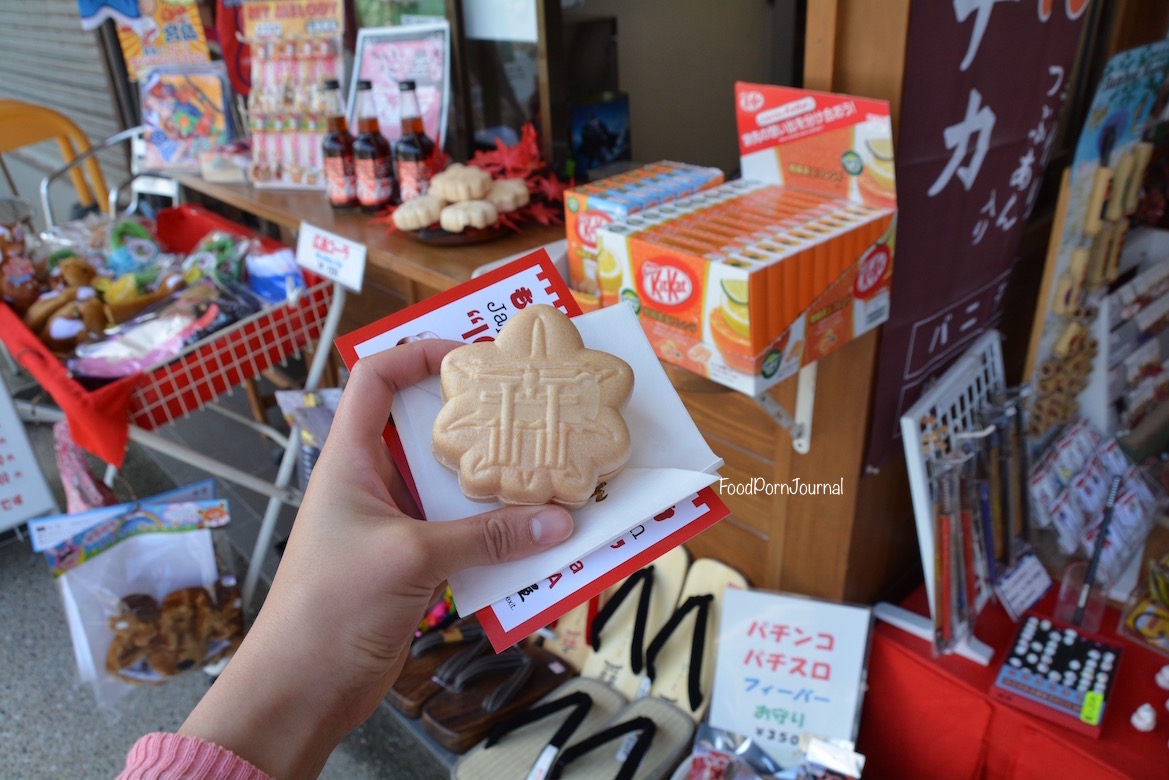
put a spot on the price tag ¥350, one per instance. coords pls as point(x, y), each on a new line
point(331, 256)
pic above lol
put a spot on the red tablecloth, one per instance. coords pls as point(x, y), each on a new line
point(934, 718)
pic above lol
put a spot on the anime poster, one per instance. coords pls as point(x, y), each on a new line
point(150, 32)
point(186, 112)
point(418, 52)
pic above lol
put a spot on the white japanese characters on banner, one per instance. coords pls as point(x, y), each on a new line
point(985, 83)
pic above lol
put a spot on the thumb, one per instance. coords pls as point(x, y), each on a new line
point(500, 535)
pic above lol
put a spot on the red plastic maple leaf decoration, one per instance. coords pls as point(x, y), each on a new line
point(386, 217)
point(543, 213)
point(548, 186)
point(510, 220)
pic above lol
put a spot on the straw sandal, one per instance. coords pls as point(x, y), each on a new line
point(619, 631)
point(655, 731)
point(570, 635)
point(646, 740)
point(435, 657)
point(530, 740)
point(680, 674)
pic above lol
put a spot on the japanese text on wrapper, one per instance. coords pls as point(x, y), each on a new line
point(486, 323)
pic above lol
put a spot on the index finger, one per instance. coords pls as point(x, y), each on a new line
point(365, 404)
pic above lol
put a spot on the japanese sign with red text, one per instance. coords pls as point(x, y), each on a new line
point(789, 665)
point(24, 494)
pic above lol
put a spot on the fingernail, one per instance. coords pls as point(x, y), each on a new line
point(551, 526)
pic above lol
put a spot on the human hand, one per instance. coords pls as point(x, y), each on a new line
point(355, 579)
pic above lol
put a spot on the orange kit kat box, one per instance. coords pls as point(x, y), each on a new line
point(749, 281)
point(591, 206)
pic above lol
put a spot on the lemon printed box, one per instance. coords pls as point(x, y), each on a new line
point(747, 282)
point(591, 206)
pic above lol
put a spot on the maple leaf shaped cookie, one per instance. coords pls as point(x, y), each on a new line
point(533, 417)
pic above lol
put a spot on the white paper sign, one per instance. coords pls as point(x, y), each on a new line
point(669, 461)
point(24, 493)
point(331, 256)
point(788, 665)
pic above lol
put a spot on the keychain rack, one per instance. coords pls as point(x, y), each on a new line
point(948, 409)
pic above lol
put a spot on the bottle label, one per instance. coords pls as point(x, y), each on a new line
point(340, 179)
point(374, 181)
point(413, 179)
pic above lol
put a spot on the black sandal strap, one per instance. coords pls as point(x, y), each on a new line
point(450, 636)
point(697, 646)
point(645, 726)
point(513, 659)
point(579, 701)
point(645, 578)
point(447, 671)
point(507, 690)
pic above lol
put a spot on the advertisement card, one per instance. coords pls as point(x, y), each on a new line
point(669, 464)
point(150, 32)
point(789, 665)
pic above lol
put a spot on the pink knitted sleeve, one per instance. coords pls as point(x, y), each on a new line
point(161, 756)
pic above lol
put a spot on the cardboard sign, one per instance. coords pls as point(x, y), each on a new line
point(166, 33)
point(24, 493)
point(789, 665)
point(331, 256)
point(292, 19)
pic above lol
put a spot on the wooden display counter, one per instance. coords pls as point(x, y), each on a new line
point(400, 270)
point(794, 543)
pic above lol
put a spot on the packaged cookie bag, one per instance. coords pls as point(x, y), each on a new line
point(149, 594)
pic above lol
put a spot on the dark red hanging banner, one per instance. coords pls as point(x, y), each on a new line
point(985, 83)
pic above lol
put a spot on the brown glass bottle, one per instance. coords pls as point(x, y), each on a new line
point(337, 149)
point(372, 156)
point(414, 151)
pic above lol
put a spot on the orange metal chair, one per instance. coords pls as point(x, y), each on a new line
point(25, 124)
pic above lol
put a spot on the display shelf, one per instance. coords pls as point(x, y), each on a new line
point(946, 410)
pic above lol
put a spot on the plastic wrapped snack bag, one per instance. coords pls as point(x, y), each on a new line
point(275, 277)
point(147, 597)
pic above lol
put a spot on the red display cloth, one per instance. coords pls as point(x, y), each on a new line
point(927, 717)
point(99, 420)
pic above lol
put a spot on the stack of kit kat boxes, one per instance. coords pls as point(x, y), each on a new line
point(747, 281)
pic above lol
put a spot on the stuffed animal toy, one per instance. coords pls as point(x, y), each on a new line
point(123, 300)
point(19, 284)
point(71, 312)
